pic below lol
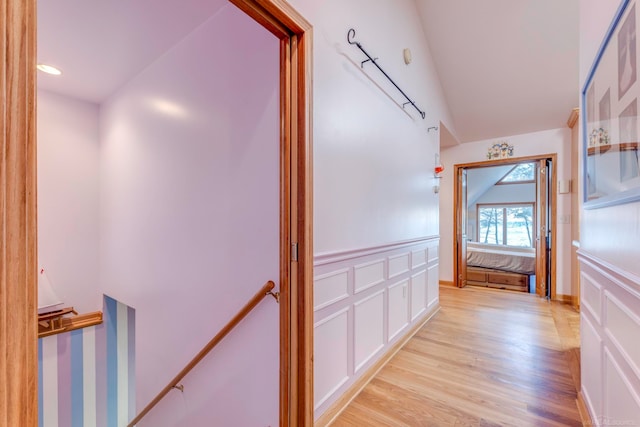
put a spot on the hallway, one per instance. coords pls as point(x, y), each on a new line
point(488, 358)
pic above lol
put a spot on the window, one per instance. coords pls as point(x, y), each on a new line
point(524, 172)
point(510, 225)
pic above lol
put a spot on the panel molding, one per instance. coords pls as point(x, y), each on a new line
point(418, 307)
point(373, 275)
point(594, 408)
point(330, 300)
point(347, 397)
point(419, 258)
point(624, 309)
point(588, 281)
point(404, 284)
point(433, 286)
point(436, 251)
point(345, 255)
point(339, 383)
point(365, 301)
point(633, 392)
point(609, 325)
point(393, 262)
point(366, 268)
point(619, 276)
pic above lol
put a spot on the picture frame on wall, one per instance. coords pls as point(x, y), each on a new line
point(611, 173)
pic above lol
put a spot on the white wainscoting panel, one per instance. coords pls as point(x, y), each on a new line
point(591, 296)
point(610, 331)
point(330, 355)
point(623, 329)
point(398, 307)
point(433, 253)
point(330, 288)
point(591, 355)
point(398, 264)
point(368, 328)
point(433, 289)
point(368, 275)
point(621, 402)
point(419, 258)
point(418, 294)
point(366, 300)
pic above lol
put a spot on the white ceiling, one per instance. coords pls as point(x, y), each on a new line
point(119, 39)
point(507, 67)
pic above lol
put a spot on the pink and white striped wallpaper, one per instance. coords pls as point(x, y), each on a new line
point(87, 376)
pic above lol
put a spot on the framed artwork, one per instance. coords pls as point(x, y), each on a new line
point(610, 122)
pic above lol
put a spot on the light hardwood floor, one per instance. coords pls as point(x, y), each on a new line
point(488, 358)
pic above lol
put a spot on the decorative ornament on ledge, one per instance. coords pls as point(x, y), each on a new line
point(500, 150)
point(598, 137)
point(53, 318)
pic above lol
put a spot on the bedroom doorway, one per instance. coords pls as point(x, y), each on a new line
point(503, 217)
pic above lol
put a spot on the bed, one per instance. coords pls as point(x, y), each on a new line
point(500, 266)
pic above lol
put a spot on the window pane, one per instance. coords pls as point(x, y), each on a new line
point(522, 172)
point(491, 225)
point(519, 223)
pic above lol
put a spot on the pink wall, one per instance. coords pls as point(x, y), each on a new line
point(68, 198)
point(189, 219)
point(544, 142)
point(373, 161)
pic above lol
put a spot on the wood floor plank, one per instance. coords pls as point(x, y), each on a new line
point(488, 358)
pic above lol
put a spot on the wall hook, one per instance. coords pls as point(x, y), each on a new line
point(350, 34)
point(432, 128)
point(179, 387)
point(367, 60)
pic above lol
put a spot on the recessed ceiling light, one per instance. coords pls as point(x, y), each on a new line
point(49, 69)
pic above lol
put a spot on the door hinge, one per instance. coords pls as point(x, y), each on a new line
point(294, 252)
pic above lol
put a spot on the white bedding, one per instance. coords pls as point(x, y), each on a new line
point(507, 258)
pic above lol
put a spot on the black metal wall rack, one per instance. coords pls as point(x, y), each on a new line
point(350, 35)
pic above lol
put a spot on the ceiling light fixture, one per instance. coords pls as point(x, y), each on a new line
point(49, 69)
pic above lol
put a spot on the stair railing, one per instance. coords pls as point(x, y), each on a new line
point(267, 289)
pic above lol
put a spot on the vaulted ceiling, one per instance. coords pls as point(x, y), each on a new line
point(507, 67)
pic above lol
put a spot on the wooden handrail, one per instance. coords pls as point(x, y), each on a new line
point(263, 292)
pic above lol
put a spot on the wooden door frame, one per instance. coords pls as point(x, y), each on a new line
point(18, 204)
point(18, 201)
point(572, 123)
point(459, 278)
point(554, 204)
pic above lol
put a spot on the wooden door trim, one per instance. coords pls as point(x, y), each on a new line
point(542, 187)
point(458, 258)
point(575, 206)
point(18, 244)
point(554, 205)
point(18, 202)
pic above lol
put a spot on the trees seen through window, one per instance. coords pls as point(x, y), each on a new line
point(510, 225)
